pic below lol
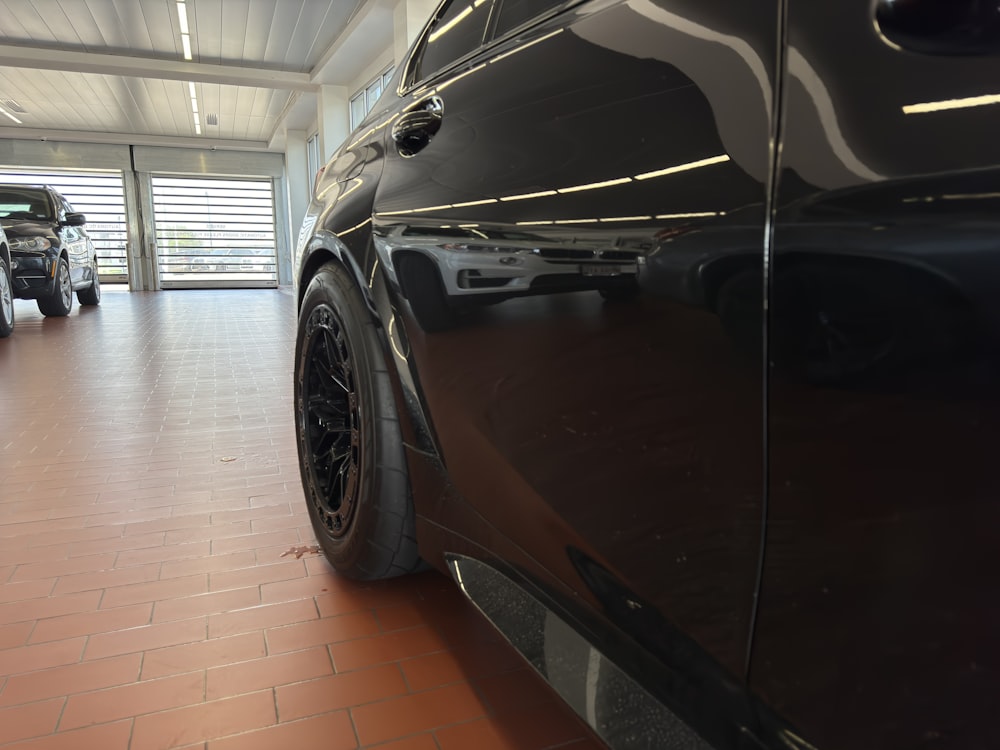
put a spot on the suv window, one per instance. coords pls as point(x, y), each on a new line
point(457, 31)
point(513, 13)
point(25, 203)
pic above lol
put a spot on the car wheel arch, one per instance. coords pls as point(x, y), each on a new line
point(326, 247)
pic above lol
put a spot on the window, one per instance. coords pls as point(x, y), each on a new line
point(363, 101)
point(458, 31)
point(25, 203)
point(514, 13)
point(100, 196)
point(214, 231)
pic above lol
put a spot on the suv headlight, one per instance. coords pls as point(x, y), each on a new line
point(36, 244)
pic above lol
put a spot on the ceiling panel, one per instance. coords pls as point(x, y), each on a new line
point(135, 27)
point(255, 44)
point(235, 20)
point(310, 22)
point(21, 17)
point(250, 57)
point(80, 19)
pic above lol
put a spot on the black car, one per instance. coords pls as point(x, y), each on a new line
point(6, 292)
point(51, 255)
point(746, 496)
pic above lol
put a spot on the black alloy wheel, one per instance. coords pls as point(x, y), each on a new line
point(332, 421)
point(6, 301)
point(60, 302)
point(351, 454)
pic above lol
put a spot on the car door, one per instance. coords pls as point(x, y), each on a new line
point(76, 242)
point(556, 206)
point(878, 615)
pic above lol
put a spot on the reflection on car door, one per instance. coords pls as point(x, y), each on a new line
point(587, 399)
point(74, 240)
point(879, 611)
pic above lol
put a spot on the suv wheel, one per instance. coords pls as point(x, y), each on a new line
point(351, 454)
point(6, 301)
point(92, 294)
point(60, 302)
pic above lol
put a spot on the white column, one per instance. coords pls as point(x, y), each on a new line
point(409, 17)
point(298, 182)
point(333, 116)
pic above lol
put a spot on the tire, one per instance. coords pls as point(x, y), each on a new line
point(92, 294)
point(351, 454)
point(425, 292)
point(6, 301)
point(60, 302)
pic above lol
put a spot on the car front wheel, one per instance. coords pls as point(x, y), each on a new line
point(60, 302)
point(351, 454)
point(92, 294)
point(6, 301)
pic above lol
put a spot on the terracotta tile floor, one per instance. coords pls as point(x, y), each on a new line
point(149, 495)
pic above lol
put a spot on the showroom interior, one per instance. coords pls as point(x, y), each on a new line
point(160, 586)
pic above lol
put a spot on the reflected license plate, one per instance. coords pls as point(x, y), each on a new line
point(603, 269)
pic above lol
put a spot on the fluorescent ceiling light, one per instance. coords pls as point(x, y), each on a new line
point(690, 215)
point(8, 114)
point(428, 208)
point(182, 17)
point(474, 203)
point(186, 42)
point(525, 46)
point(525, 196)
point(626, 218)
point(970, 196)
point(356, 183)
point(450, 25)
point(684, 167)
point(971, 101)
point(459, 77)
point(595, 185)
point(194, 107)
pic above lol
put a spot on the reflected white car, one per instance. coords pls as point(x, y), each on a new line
point(478, 261)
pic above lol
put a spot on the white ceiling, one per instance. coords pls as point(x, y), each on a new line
point(114, 70)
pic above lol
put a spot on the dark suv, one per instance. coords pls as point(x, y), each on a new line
point(51, 255)
point(747, 495)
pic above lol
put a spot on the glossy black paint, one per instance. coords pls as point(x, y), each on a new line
point(778, 519)
point(877, 600)
point(65, 232)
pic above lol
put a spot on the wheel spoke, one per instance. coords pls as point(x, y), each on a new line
point(331, 420)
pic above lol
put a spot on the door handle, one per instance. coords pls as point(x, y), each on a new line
point(417, 126)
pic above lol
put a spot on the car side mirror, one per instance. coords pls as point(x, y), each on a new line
point(74, 220)
point(941, 27)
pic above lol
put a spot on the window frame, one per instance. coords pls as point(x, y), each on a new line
point(408, 81)
point(421, 46)
point(383, 79)
point(538, 18)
